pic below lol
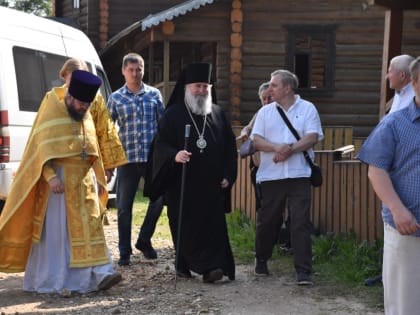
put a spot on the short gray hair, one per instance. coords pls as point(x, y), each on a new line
point(263, 87)
point(287, 78)
point(402, 63)
point(415, 69)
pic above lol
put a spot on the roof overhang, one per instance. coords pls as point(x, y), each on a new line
point(156, 19)
point(169, 14)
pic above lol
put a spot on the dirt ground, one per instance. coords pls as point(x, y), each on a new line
point(148, 288)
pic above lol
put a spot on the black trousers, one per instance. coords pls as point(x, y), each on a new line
point(297, 193)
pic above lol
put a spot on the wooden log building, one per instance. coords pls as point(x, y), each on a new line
point(340, 50)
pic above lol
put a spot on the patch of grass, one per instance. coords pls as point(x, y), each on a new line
point(345, 259)
point(139, 212)
point(340, 263)
point(242, 236)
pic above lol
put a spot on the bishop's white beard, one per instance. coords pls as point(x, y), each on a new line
point(200, 104)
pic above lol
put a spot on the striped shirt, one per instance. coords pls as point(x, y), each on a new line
point(137, 116)
point(394, 146)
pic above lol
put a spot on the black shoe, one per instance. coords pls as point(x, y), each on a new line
point(213, 276)
point(261, 268)
point(303, 278)
point(124, 260)
point(377, 280)
point(109, 281)
point(147, 249)
point(183, 273)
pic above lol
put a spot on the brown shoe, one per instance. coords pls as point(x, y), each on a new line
point(109, 281)
point(213, 275)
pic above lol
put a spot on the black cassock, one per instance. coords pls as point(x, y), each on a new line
point(204, 243)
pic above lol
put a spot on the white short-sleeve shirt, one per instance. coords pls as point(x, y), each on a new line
point(271, 126)
point(402, 98)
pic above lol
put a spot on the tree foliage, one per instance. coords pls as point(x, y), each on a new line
point(37, 7)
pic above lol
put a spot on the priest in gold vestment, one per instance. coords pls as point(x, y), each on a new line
point(51, 223)
point(112, 151)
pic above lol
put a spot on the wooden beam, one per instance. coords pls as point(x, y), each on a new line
point(166, 66)
point(397, 4)
point(392, 47)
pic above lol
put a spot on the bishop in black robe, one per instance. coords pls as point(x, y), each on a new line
point(203, 243)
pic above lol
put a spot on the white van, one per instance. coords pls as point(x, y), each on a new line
point(32, 51)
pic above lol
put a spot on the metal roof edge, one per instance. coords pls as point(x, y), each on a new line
point(175, 11)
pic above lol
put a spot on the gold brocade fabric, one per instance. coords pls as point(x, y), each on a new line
point(56, 141)
point(111, 149)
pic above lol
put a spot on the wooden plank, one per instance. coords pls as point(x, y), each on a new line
point(334, 217)
point(330, 191)
point(371, 207)
point(364, 193)
point(316, 208)
point(358, 142)
point(342, 228)
point(335, 137)
point(358, 227)
point(394, 20)
point(327, 142)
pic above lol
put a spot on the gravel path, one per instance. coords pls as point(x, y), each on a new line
point(148, 288)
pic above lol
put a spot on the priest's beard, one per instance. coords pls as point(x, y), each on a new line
point(76, 115)
point(199, 104)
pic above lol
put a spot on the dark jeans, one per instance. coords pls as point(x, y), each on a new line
point(128, 178)
point(154, 210)
point(297, 193)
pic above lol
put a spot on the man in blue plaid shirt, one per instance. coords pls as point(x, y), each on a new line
point(137, 108)
point(392, 151)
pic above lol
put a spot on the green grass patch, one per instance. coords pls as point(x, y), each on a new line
point(139, 212)
point(345, 259)
point(242, 236)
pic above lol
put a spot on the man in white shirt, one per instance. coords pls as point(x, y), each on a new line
point(398, 76)
point(284, 173)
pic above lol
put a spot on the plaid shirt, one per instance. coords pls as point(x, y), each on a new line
point(394, 146)
point(137, 116)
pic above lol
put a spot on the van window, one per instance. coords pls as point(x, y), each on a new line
point(36, 73)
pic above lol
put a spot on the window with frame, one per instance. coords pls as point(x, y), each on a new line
point(310, 54)
point(36, 73)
